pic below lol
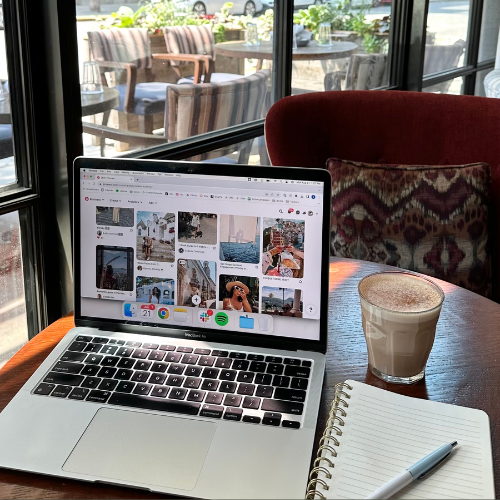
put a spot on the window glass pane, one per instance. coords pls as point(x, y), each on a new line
point(348, 47)
point(252, 152)
point(7, 165)
point(134, 62)
point(447, 24)
point(13, 324)
point(454, 86)
point(489, 30)
point(480, 76)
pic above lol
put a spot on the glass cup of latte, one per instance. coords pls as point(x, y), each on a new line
point(400, 311)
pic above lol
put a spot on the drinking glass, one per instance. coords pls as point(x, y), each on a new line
point(252, 35)
point(91, 78)
point(324, 34)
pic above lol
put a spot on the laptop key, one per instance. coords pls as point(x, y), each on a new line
point(140, 376)
point(126, 363)
point(210, 385)
point(246, 377)
point(290, 395)
point(157, 378)
point(125, 387)
point(291, 424)
point(83, 338)
point(67, 367)
point(240, 364)
point(206, 360)
point(278, 406)
point(232, 400)
point(246, 389)
point(281, 381)
point(100, 340)
point(211, 411)
point(132, 343)
point(77, 346)
point(149, 403)
point(63, 378)
point(123, 374)
point(110, 360)
point(233, 414)
point(90, 370)
point(93, 359)
point(192, 382)
point(210, 373)
point(190, 359)
point(224, 363)
point(275, 369)
point(78, 393)
point(192, 371)
point(173, 357)
point(141, 353)
point(73, 356)
point(291, 361)
point(274, 359)
point(196, 396)
point(108, 384)
point(272, 418)
point(120, 342)
point(44, 389)
point(257, 366)
point(124, 352)
point(167, 348)
point(149, 346)
point(160, 391)
point(178, 393)
point(159, 367)
point(93, 347)
point(176, 369)
point(255, 357)
point(91, 382)
point(142, 365)
point(109, 349)
point(263, 379)
point(227, 387)
point(174, 380)
point(237, 355)
point(185, 349)
point(156, 355)
point(227, 375)
point(143, 389)
point(202, 351)
point(98, 396)
point(251, 419)
point(251, 403)
point(299, 383)
point(219, 354)
point(264, 391)
point(297, 371)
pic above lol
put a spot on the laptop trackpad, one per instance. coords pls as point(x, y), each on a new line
point(154, 450)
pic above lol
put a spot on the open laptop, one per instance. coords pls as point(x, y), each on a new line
point(197, 362)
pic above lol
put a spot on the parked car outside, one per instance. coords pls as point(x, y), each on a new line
point(210, 7)
point(303, 4)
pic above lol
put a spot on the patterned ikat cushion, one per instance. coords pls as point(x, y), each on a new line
point(429, 219)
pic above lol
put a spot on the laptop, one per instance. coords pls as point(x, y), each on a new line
point(197, 361)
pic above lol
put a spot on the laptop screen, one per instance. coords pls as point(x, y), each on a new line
point(240, 254)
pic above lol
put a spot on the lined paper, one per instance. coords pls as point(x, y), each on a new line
point(385, 433)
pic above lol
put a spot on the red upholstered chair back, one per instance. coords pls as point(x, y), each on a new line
point(390, 127)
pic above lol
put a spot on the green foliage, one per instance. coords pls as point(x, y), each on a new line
point(265, 24)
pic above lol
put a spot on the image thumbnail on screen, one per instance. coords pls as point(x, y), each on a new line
point(283, 248)
point(196, 227)
point(114, 216)
point(282, 301)
point(155, 290)
point(155, 233)
point(196, 283)
point(239, 293)
point(239, 239)
point(115, 268)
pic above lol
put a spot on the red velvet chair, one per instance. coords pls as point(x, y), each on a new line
point(390, 127)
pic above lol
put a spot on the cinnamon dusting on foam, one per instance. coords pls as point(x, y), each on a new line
point(399, 292)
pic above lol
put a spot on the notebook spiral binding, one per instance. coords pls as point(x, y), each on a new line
point(328, 441)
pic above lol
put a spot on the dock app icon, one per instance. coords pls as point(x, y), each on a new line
point(180, 314)
point(246, 322)
point(221, 319)
point(129, 310)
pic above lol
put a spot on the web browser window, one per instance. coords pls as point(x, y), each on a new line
point(227, 253)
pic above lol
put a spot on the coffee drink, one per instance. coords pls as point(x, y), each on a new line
point(400, 311)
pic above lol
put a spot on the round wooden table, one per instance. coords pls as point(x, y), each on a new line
point(463, 369)
point(92, 104)
point(313, 51)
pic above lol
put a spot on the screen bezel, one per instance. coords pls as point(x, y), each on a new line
point(209, 169)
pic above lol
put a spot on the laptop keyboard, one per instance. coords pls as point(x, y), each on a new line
point(238, 386)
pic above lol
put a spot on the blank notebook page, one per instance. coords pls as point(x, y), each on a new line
point(385, 433)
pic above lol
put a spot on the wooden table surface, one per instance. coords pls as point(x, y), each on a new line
point(463, 369)
point(265, 50)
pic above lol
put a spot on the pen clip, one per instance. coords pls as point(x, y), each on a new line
point(435, 466)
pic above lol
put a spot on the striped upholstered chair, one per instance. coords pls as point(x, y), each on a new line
point(194, 109)
point(187, 44)
point(127, 51)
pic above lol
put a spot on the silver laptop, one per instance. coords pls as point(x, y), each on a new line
point(197, 362)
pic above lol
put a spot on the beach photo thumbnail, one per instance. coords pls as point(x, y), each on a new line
point(196, 227)
point(196, 283)
point(155, 234)
point(155, 290)
point(114, 268)
point(239, 239)
point(114, 216)
point(282, 301)
point(238, 293)
point(283, 248)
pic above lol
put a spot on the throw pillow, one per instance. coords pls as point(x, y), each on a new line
point(428, 219)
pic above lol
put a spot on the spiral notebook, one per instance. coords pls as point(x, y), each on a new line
point(372, 435)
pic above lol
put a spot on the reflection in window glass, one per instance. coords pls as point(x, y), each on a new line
point(489, 30)
point(447, 24)
point(454, 86)
point(251, 152)
point(147, 79)
point(344, 46)
point(480, 76)
point(7, 165)
point(13, 326)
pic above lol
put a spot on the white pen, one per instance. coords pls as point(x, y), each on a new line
point(416, 471)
